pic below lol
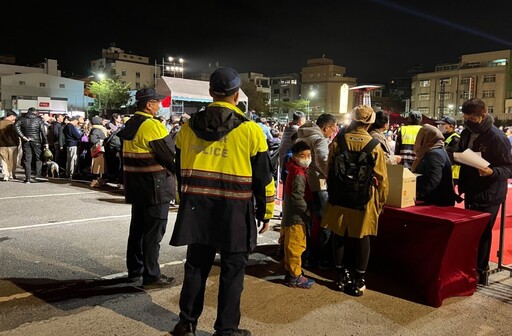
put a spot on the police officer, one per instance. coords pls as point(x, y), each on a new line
point(225, 179)
point(149, 183)
point(451, 143)
point(406, 137)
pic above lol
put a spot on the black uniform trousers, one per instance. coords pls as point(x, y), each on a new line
point(232, 270)
point(147, 228)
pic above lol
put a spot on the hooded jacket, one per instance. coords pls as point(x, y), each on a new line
point(223, 168)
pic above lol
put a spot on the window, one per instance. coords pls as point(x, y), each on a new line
point(464, 94)
point(137, 85)
point(464, 80)
point(445, 95)
point(424, 96)
point(509, 110)
point(62, 86)
point(425, 83)
point(488, 94)
point(489, 78)
point(473, 65)
point(490, 109)
point(123, 72)
point(499, 62)
point(21, 83)
point(41, 84)
point(137, 74)
point(445, 81)
point(423, 110)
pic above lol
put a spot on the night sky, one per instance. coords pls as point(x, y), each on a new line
point(374, 40)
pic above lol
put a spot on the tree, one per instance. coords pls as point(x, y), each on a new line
point(109, 94)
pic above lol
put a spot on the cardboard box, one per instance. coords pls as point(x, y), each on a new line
point(402, 186)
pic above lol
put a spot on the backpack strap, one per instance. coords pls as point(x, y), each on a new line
point(370, 145)
point(342, 142)
point(368, 148)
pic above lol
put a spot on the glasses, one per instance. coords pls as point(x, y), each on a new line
point(333, 128)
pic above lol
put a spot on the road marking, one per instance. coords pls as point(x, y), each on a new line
point(47, 195)
point(15, 296)
point(64, 222)
point(124, 274)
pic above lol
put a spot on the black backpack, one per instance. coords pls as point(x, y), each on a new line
point(350, 178)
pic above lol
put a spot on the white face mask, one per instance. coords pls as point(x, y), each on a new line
point(304, 162)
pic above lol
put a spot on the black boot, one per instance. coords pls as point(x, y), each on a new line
point(343, 280)
point(358, 286)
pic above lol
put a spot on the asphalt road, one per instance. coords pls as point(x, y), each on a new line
point(62, 252)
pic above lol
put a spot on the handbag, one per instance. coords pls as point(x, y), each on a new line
point(97, 150)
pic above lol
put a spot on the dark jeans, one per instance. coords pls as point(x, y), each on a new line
point(32, 150)
point(318, 239)
point(147, 228)
point(197, 267)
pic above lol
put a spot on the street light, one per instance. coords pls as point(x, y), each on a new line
point(311, 94)
point(173, 66)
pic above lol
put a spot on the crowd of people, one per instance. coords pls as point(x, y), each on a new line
point(221, 158)
point(82, 148)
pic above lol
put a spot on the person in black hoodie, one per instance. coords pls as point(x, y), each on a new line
point(484, 189)
point(30, 128)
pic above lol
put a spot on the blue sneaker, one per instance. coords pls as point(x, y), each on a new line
point(300, 282)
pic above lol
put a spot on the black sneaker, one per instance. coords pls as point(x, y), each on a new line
point(343, 281)
point(357, 288)
point(132, 278)
point(239, 332)
point(183, 328)
point(163, 282)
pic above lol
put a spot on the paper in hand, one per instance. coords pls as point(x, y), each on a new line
point(470, 158)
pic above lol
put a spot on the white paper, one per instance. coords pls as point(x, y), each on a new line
point(470, 158)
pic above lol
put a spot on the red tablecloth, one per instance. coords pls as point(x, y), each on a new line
point(431, 248)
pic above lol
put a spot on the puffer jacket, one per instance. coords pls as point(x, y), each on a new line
point(30, 126)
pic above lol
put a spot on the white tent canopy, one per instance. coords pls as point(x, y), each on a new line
point(181, 89)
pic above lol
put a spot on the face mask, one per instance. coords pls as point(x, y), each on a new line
point(304, 162)
point(471, 124)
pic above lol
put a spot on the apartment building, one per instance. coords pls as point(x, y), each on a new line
point(284, 88)
point(326, 87)
point(486, 75)
point(131, 69)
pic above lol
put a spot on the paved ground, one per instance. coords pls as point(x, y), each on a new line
point(268, 307)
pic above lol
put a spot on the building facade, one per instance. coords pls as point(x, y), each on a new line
point(326, 88)
point(284, 89)
point(135, 70)
point(485, 75)
point(41, 87)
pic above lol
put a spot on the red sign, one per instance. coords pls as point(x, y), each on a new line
point(44, 104)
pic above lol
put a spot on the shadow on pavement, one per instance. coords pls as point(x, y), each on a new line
point(69, 295)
